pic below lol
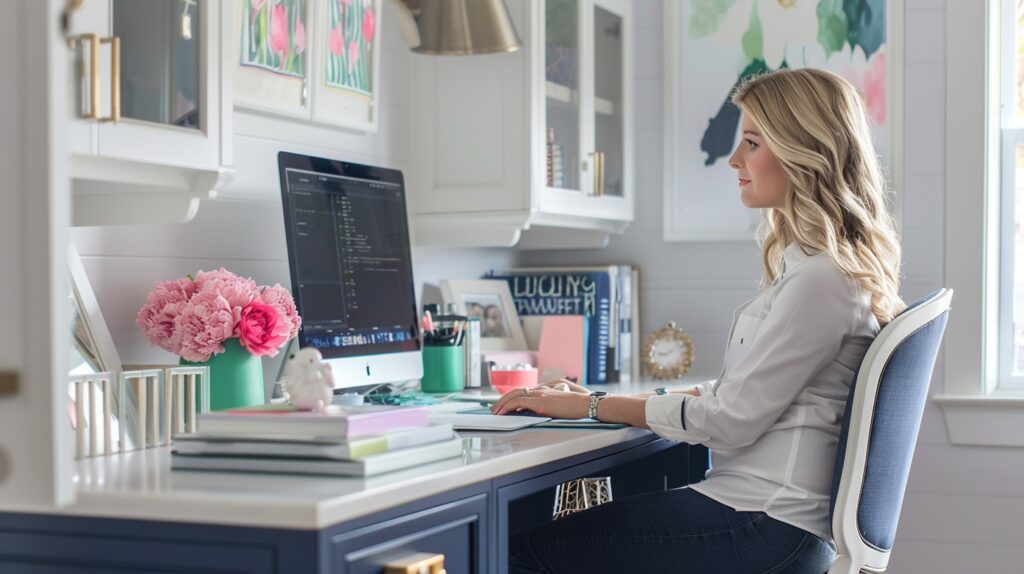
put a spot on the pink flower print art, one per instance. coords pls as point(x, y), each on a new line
point(352, 31)
point(274, 36)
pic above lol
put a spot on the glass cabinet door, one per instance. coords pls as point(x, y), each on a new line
point(609, 119)
point(160, 71)
point(562, 87)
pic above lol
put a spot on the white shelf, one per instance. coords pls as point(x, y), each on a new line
point(566, 95)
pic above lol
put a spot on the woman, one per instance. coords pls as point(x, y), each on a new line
point(831, 260)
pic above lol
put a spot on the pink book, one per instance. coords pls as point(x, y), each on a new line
point(563, 346)
point(337, 421)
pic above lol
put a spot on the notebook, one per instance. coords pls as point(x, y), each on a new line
point(485, 422)
point(337, 421)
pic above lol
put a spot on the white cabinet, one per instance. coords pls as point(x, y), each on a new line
point(482, 125)
point(151, 132)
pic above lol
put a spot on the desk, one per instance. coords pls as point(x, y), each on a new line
point(133, 513)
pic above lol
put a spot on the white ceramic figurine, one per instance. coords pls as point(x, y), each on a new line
point(308, 381)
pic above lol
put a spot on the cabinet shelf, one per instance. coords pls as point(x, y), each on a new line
point(567, 95)
point(114, 191)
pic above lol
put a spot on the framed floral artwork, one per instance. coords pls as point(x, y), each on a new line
point(348, 71)
point(272, 58)
point(711, 47)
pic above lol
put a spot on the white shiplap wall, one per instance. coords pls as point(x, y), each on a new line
point(244, 230)
point(963, 504)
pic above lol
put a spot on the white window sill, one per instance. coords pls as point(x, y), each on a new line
point(983, 420)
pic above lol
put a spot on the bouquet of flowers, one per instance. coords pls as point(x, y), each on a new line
point(193, 317)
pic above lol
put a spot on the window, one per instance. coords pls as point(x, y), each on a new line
point(1010, 224)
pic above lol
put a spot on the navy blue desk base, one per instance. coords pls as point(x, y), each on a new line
point(470, 525)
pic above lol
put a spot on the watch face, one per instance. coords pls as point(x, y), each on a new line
point(598, 393)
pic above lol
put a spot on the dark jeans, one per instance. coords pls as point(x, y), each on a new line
point(677, 530)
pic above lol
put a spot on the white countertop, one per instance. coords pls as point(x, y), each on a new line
point(140, 484)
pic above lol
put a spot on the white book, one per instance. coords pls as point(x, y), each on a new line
point(369, 466)
point(313, 447)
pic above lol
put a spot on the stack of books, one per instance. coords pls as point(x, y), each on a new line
point(344, 440)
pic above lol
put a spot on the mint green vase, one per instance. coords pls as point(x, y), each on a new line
point(236, 377)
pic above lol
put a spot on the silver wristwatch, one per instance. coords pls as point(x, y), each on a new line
point(595, 397)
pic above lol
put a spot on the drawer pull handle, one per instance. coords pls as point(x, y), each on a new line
point(421, 563)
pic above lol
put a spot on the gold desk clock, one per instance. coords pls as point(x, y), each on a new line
point(667, 353)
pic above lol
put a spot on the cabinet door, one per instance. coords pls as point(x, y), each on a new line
point(600, 105)
point(170, 81)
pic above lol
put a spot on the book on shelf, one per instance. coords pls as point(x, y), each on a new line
point(584, 291)
point(312, 447)
point(369, 466)
point(336, 421)
point(607, 294)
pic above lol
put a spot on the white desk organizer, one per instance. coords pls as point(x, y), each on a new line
point(92, 414)
point(162, 404)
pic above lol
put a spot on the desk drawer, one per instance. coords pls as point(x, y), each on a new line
point(456, 529)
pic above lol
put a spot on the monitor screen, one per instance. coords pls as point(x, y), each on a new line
point(351, 267)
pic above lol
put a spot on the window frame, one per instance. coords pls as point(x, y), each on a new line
point(975, 413)
point(1011, 138)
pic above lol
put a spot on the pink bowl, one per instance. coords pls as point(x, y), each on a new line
point(505, 381)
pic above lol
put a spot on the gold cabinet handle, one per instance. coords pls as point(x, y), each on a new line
point(598, 173)
point(93, 111)
point(420, 563)
point(115, 79)
point(94, 41)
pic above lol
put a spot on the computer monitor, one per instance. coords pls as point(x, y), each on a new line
point(351, 268)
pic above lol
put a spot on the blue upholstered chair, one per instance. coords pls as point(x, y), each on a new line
point(876, 445)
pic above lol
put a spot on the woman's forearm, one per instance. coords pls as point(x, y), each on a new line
point(623, 409)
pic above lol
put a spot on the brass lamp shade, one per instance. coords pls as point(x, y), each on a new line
point(458, 27)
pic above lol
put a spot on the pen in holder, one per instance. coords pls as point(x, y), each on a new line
point(443, 354)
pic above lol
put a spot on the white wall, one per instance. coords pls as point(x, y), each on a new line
point(244, 230)
point(963, 505)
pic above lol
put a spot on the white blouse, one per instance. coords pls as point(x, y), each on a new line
point(772, 417)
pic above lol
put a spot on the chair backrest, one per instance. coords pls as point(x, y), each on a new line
point(880, 426)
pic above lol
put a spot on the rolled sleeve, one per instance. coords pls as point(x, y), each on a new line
point(664, 416)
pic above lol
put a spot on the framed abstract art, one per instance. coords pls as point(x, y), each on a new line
point(712, 46)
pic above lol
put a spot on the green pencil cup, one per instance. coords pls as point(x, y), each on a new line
point(443, 370)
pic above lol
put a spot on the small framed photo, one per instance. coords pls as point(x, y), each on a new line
point(491, 301)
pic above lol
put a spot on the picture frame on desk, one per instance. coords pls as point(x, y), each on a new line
point(492, 301)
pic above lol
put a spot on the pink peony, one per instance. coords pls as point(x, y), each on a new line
point(336, 41)
point(203, 325)
point(369, 24)
point(238, 291)
point(278, 29)
point(281, 300)
point(260, 330)
point(156, 317)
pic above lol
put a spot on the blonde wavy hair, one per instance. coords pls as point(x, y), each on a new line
point(813, 121)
